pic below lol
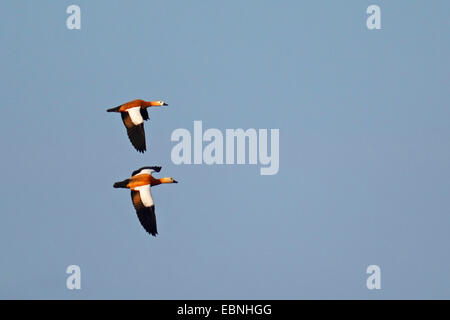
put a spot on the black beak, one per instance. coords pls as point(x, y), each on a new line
point(165, 104)
point(175, 181)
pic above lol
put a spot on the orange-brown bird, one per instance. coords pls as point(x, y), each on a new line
point(140, 182)
point(133, 115)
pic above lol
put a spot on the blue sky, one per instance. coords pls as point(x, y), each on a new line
point(364, 149)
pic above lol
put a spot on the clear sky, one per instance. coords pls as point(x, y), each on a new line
point(364, 175)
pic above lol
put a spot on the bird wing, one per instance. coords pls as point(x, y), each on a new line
point(134, 123)
point(146, 170)
point(145, 208)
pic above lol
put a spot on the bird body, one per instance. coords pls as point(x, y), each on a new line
point(133, 114)
point(137, 103)
point(140, 184)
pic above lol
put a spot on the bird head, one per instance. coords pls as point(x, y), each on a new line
point(158, 103)
point(168, 180)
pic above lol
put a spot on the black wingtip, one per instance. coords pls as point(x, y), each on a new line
point(140, 150)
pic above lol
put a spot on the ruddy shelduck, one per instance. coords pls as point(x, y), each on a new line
point(140, 184)
point(133, 115)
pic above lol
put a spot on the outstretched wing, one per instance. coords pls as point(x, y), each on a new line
point(134, 123)
point(147, 170)
point(145, 208)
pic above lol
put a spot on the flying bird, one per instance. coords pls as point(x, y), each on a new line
point(140, 184)
point(133, 115)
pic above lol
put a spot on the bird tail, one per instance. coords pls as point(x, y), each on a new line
point(121, 184)
point(115, 109)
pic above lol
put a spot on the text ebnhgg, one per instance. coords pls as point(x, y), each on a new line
point(213, 152)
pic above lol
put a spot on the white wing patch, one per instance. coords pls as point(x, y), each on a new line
point(145, 171)
point(135, 115)
point(146, 195)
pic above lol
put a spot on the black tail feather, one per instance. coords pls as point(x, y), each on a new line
point(115, 109)
point(121, 184)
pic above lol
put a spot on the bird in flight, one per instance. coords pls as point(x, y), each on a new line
point(140, 184)
point(133, 115)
